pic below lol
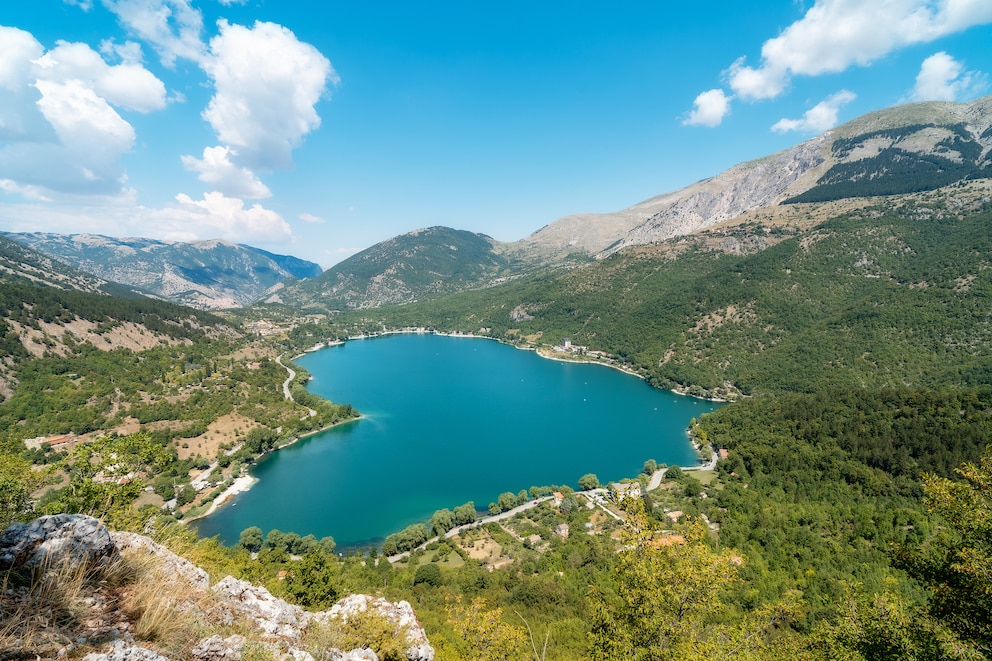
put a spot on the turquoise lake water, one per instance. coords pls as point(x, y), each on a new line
point(448, 420)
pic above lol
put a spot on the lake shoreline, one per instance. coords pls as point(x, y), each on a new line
point(542, 352)
point(232, 518)
point(245, 482)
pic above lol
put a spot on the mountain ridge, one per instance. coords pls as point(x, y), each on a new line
point(209, 274)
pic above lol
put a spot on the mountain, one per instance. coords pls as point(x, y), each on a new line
point(202, 274)
point(18, 263)
point(50, 309)
point(905, 149)
point(910, 148)
point(402, 269)
point(892, 294)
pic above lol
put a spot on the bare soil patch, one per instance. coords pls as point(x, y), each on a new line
point(223, 430)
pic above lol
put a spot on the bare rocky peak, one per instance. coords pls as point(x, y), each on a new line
point(921, 129)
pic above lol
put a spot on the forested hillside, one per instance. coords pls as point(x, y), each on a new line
point(893, 294)
point(425, 262)
point(203, 274)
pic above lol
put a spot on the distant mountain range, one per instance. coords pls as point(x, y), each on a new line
point(906, 149)
point(202, 274)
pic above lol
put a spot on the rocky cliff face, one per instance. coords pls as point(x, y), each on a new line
point(904, 149)
point(101, 615)
point(203, 274)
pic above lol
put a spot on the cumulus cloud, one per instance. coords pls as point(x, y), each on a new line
point(267, 83)
point(128, 85)
point(214, 216)
point(19, 49)
point(942, 78)
point(709, 109)
point(172, 27)
point(819, 118)
point(310, 218)
point(226, 217)
point(59, 120)
point(216, 169)
point(837, 34)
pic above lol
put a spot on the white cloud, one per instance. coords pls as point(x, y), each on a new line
point(226, 217)
point(819, 118)
point(310, 218)
point(85, 5)
point(942, 78)
point(83, 120)
point(59, 124)
point(267, 84)
point(129, 52)
point(17, 50)
point(128, 85)
point(215, 216)
point(172, 27)
point(217, 170)
point(709, 109)
point(837, 34)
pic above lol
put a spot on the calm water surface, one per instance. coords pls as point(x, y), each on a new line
point(448, 420)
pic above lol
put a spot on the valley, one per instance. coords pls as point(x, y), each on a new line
point(838, 295)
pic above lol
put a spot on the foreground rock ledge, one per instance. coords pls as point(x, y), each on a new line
point(280, 626)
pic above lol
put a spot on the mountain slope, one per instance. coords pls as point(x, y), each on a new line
point(909, 148)
point(19, 263)
point(402, 269)
point(899, 293)
point(203, 274)
point(915, 147)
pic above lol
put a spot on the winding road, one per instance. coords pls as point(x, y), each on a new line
point(289, 380)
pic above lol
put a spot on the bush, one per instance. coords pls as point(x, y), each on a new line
point(429, 574)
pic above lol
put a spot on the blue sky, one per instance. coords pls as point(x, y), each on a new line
point(319, 128)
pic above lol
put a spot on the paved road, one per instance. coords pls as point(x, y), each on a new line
point(659, 474)
point(478, 522)
point(289, 380)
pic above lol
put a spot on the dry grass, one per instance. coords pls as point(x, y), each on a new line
point(42, 610)
point(166, 611)
point(47, 611)
point(38, 610)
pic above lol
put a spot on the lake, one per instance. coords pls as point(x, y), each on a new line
point(448, 420)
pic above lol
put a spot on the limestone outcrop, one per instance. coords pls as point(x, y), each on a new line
point(52, 539)
point(250, 613)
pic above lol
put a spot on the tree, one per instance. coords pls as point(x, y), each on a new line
point(327, 544)
point(650, 466)
point(506, 501)
point(668, 593)
point(313, 581)
point(956, 562)
point(442, 521)
point(429, 574)
point(17, 481)
point(465, 514)
point(588, 481)
point(185, 495)
point(251, 538)
point(488, 636)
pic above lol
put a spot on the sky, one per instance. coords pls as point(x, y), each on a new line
point(317, 129)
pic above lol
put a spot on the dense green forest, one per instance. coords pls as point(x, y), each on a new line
point(886, 296)
point(953, 159)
